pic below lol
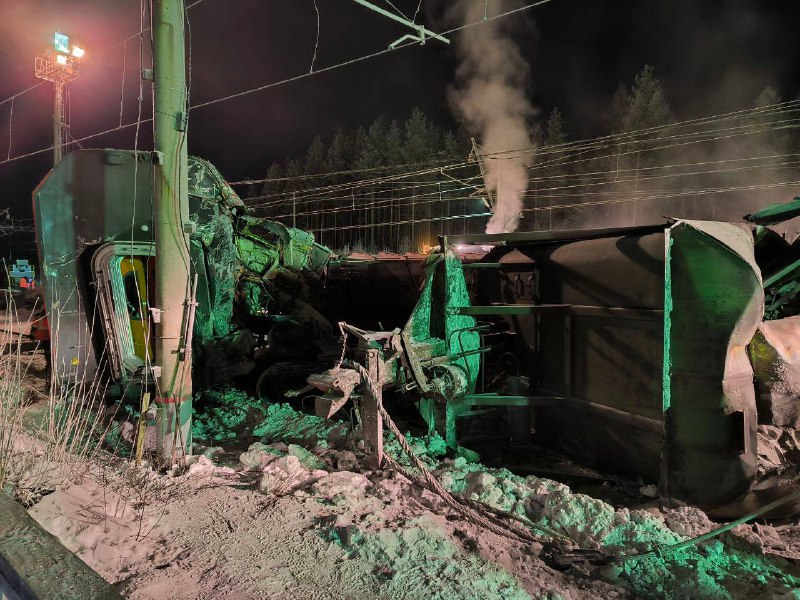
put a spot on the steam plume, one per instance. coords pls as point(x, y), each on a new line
point(491, 98)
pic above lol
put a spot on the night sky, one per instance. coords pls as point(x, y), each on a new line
point(711, 55)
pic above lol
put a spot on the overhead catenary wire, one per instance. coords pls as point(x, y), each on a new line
point(124, 41)
point(738, 132)
point(316, 41)
point(313, 194)
point(122, 92)
point(422, 200)
point(331, 67)
point(20, 93)
point(622, 139)
point(361, 58)
point(263, 87)
point(563, 177)
point(10, 126)
point(781, 107)
point(677, 194)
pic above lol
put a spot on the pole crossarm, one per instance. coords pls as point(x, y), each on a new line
point(422, 33)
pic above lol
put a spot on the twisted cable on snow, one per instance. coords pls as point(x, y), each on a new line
point(478, 512)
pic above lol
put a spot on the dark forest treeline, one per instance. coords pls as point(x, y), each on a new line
point(397, 185)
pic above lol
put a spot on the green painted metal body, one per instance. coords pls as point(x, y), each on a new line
point(637, 349)
point(715, 298)
point(777, 213)
point(90, 198)
point(94, 198)
point(438, 329)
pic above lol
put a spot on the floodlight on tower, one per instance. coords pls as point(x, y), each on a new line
point(61, 42)
point(59, 67)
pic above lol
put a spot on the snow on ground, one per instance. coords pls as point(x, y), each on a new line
point(298, 518)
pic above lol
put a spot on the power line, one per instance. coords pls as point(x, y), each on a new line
point(583, 146)
point(406, 222)
point(361, 58)
point(375, 54)
point(673, 194)
point(313, 195)
point(124, 42)
point(432, 198)
point(270, 85)
point(680, 193)
point(25, 91)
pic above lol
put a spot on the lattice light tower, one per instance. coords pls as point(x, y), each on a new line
point(61, 65)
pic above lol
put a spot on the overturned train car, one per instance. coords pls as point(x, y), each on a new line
point(256, 282)
point(636, 348)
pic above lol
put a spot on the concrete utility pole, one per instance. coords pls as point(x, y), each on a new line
point(172, 354)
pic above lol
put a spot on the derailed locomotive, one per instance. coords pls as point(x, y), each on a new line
point(255, 282)
point(631, 350)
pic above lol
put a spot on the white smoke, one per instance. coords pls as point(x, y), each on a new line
point(491, 98)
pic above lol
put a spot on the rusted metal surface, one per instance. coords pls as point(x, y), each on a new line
point(337, 385)
point(775, 354)
point(371, 421)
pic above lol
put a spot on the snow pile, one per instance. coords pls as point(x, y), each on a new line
point(410, 557)
point(710, 570)
point(414, 558)
point(715, 569)
point(220, 415)
point(300, 518)
point(283, 423)
point(109, 521)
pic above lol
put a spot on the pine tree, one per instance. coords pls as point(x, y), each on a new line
point(554, 131)
point(417, 144)
point(552, 135)
point(642, 107)
point(768, 97)
point(417, 151)
point(372, 152)
point(618, 109)
point(394, 145)
point(316, 157)
point(271, 186)
point(647, 103)
point(339, 156)
point(765, 138)
point(386, 144)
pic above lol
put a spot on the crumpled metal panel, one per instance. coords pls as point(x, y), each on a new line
point(215, 262)
point(714, 302)
point(775, 355)
point(436, 329)
point(778, 449)
point(205, 181)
